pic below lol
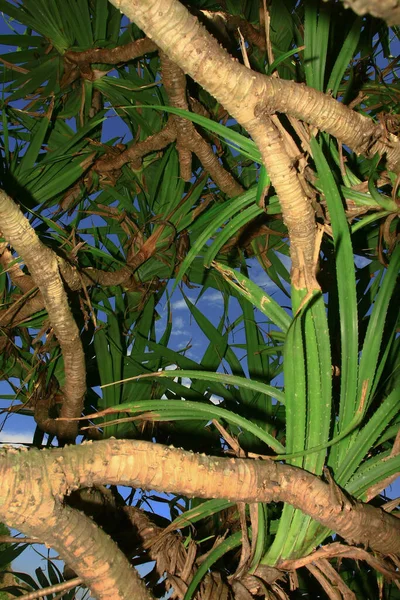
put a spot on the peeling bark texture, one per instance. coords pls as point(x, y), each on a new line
point(28, 502)
point(79, 541)
point(188, 139)
point(251, 98)
point(245, 93)
point(298, 213)
point(388, 10)
point(43, 267)
point(112, 56)
point(192, 48)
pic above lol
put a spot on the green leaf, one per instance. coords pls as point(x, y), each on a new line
point(243, 144)
point(240, 220)
point(344, 57)
point(367, 436)
point(224, 378)
point(254, 294)
point(172, 410)
point(346, 282)
point(282, 58)
point(214, 219)
point(374, 335)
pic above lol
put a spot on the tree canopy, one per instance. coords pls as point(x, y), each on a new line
point(155, 150)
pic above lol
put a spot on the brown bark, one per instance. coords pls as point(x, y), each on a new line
point(134, 154)
point(177, 129)
point(242, 91)
point(33, 486)
point(251, 98)
point(112, 56)
point(25, 306)
point(340, 551)
point(188, 139)
point(388, 10)
point(43, 267)
point(32, 483)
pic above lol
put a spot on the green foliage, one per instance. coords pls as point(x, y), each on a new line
point(310, 379)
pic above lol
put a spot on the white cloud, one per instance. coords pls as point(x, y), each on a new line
point(16, 437)
point(212, 296)
point(178, 323)
point(183, 333)
point(179, 304)
point(209, 296)
point(216, 399)
point(179, 327)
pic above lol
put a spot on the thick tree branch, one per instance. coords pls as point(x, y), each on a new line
point(388, 10)
point(43, 267)
point(177, 129)
point(77, 538)
point(153, 466)
point(192, 48)
point(243, 92)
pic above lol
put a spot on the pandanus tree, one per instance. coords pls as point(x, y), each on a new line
point(157, 149)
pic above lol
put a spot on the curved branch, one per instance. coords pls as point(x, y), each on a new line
point(338, 550)
point(188, 138)
point(245, 93)
point(43, 267)
point(134, 154)
point(85, 546)
point(225, 79)
point(157, 467)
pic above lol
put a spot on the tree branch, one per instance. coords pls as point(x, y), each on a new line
point(157, 467)
point(244, 92)
point(43, 267)
point(388, 10)
point(112, 56)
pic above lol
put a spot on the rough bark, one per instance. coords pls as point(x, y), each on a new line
point(112, 56)
point(242, 91)
point(251, 98)
point(388, 10)
point(182, 37)
point(33, 502)
point(30, 503)
point(43, 267)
